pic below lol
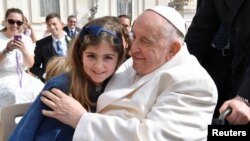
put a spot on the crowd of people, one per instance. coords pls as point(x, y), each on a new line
point(114, 80)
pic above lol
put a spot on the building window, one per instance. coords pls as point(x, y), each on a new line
point(41, 8)
point(49, 6)
point(124, 7)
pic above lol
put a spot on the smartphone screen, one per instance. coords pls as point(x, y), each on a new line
point(17, 37)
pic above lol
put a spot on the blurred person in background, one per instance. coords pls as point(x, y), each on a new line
point(71, 29)
point(16, 55)
point(56, 44)
point(57, 65)
point(126, 23)
point(27, 30)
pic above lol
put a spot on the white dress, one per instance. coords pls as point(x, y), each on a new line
point(16, 86)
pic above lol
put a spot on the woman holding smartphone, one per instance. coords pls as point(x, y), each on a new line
point(16, 55)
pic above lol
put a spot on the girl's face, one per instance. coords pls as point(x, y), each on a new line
point(99, 62)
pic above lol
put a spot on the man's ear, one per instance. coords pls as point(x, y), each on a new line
point(174, 49)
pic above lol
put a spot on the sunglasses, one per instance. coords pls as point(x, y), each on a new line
point(12, 22)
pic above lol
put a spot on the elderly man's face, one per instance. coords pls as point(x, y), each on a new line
point(150, 48)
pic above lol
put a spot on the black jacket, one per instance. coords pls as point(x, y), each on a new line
point(44, 50)
point(77, 31)
point(234, 16)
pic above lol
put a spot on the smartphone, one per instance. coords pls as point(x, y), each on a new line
point(17, 37)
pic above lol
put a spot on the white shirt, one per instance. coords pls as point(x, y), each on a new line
point(64, 44)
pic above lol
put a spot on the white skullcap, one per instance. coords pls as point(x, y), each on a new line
point(171, 15)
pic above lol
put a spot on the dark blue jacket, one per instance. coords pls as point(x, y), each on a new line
point(36, 127)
